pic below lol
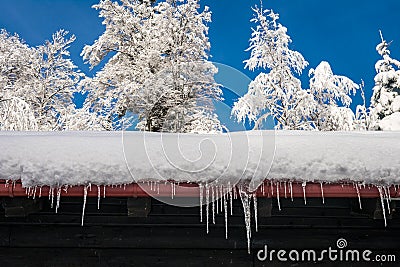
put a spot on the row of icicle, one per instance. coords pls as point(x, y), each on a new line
point(219, 196)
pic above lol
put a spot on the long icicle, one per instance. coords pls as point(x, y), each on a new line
point(201, 202)
point(359, 196)
point(213, 203)
point(382, 203)
point(84, 202)
point(58, 198)
point(226, 215)
point(244, 196)
point(255, 206)
point(207, 206)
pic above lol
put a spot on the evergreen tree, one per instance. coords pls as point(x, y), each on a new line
point(385, 101)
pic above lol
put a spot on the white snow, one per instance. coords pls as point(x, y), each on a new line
point(391, 122)
point(76, 158)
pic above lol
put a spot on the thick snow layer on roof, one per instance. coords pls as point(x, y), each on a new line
point(73, 158)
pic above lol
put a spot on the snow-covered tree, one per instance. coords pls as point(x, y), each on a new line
point(330, 92)
point(277, 93)
point(37, 85)
point(385, 101)
point(157, 67)
point(16, 60)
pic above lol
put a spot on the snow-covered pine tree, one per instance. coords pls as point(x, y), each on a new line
point(277, 93)
point(37, 85)
point(331, 94)
point(158, 67)
point(385, 101)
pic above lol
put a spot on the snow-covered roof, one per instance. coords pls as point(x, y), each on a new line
point(73, 158)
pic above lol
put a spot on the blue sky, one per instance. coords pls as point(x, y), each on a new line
point(342, 32)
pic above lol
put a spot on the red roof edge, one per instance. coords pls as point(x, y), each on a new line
point(268, 190)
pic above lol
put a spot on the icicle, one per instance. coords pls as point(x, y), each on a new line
point(304, 192)
point(247, 215)
point(277, 197)
point(52, 197)
point(221, 194)
point(104, 191)
point(201, 202)
point(34, 192)
point(98, 197)
point(226, 215)
point(255, 206)
point(382, 203)
point(263, 189)
point(84, 202)
point(158, 188)
point(231, 200)
point(217, 198)
point(207, 205)
point(58, 198)
point(284, 184)
point(385, 190)
point(172, 190)
point(40, 192)
point(359, 197)
point(291, 190)
point(272, 188)
point(213, 204)
point(322, 193)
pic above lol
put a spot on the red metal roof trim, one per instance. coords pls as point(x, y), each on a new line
point(9, 189)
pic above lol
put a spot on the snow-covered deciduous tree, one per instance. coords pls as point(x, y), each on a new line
point(16, 60)
point(157, 68)
point(277, 93)
point(385, 101)
point(330, 92)
point(37, 85)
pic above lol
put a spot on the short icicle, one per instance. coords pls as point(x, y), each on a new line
point(85, 188)
point(284, 184)
point(322, 193)
point(58, 198)
point(291, 190)
point(98, 197)
point(277, 197)
point(304, 192)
